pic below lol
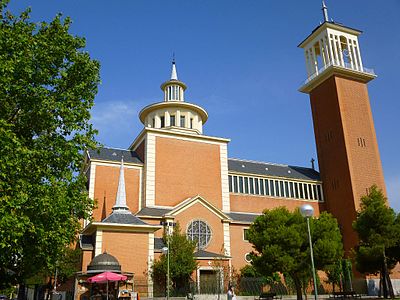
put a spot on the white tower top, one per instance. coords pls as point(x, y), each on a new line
point(120, 202)
point(173, 89)
point(174, 113)
point(174, 75)
point(333, 48)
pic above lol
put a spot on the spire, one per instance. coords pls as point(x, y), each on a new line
point(174, 75)
point(325, 11)
point(120, 202)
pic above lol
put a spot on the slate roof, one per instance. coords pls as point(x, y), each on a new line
point(203, 253)
point(86, 242)
point(242, 217)
point(112, 154)
point(158, 244)
point(153, 211)
point(270, 169)
point(123, 217)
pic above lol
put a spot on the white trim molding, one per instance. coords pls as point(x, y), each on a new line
point(150, 171)
point(224, 177)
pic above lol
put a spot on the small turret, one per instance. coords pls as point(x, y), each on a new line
point(173, 89)
point(174, 113)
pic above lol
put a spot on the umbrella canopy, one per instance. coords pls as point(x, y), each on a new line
point(105, 277)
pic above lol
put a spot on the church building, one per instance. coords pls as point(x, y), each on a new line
point(175, 173)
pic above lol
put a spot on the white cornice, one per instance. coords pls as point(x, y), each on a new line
point(181, 135)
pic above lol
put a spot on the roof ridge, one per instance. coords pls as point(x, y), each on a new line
point(112, 148)
point(259, 162)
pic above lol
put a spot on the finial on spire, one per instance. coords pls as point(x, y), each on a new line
point(174, 75)
point(120, 202)
point(325, 11)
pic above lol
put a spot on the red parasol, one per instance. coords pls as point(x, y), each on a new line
point(106, 277)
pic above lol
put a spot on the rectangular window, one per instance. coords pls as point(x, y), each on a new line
point(245, 234)
point(251, 186)
point(267, 187)
point(256, 189)
point(315, 192)
point(272, 187)
point(305, 191)
point(240, 184)
point(191, 123)
point(262, 187)
point(287, 195)
point(291, 190)
point(319, 192)
point(235, 185)
point(277, 191)
point(182, 121)
point(296, 190)
point(172, 120)
point(154, 123)
point(282, 189)
point(301, 190)
point(246, 185)
point(310, 191)
point(230, 183)
point(162, 119)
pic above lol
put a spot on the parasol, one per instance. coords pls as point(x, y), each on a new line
point(106, 277)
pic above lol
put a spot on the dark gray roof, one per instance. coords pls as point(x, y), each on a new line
point(203, 253)
point(153, 211)
point(115, 155)
point(86, 242)
point(158, 244)
point(270, 169)
point(243, 217)
point(123, 217)
point(104, 262)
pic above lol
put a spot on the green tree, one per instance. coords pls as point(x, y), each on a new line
point(181, 261)
point(47, 87)
point(280, 241)
point(378, 230)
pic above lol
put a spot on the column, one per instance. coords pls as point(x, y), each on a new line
point(187, 120)
point(334, 49)
point(349, 50)
point(196, 122)
point(321, 50)
point(354, 55)
point(314, 61)
point(157, 121)
point(166, 115)
point(340, 51)
point(178, 118)
point(307, 63)
point(329, 47)
point(359, 56)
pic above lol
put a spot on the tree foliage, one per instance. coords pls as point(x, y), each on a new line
point(47, 87)
point(378, 230)
point(181, 261)
point(281, 244)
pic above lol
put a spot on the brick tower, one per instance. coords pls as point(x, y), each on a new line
point(344, 130)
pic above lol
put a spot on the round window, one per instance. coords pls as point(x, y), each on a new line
point(199, 232)
point(247, 258)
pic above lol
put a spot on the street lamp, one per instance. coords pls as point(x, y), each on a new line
point(166, 249)
point(307, 211)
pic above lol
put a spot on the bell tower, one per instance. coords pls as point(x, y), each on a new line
point(347, 148)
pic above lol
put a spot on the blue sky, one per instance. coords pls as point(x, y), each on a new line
point(241, 63)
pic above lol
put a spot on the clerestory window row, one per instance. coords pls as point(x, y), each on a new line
point(275, 187)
